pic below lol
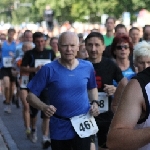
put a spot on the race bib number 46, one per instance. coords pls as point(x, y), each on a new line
point(103, 101)
point(84, 125)
point(7, 62)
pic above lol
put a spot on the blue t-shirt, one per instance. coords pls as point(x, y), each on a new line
point(6, 49)
point(131, 76)
point(126, 73)
point(19, 52)
point(67, 92)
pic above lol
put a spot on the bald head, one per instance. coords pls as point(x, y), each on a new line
point(68, 35)
point(68, 45)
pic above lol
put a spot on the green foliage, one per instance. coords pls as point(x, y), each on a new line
point(72, 10)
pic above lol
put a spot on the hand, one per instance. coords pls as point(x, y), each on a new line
point(49, 110)
point(14, 73)
point(37, 68)
point(94, 110)
point(11, 54)
point(109, 89)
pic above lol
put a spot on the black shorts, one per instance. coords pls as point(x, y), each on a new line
point(1, 77)
point(17, 83)
point(6, 72)
point(76, 143)
point(92, 138)
point(103, 122)
point(44, 98)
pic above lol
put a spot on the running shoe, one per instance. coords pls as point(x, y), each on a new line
point(33, 137)
point(46, 143)
point(7, 109)
point(28, 132)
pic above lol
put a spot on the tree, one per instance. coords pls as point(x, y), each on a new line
point(74, 10)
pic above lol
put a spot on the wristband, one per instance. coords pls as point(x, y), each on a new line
point(94, 101)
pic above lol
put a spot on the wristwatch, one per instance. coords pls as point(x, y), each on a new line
point(95, 101)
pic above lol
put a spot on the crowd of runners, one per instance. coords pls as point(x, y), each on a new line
point(86, 86)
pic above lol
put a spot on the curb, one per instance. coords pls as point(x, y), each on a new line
point(10, 143)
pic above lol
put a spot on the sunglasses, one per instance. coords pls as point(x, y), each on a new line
point(119, 47)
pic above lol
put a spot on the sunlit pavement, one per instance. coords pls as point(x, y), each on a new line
point(13, 131)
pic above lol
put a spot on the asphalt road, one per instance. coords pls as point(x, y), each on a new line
point(13, 130)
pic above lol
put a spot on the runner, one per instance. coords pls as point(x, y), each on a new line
point(121, 50)
point(120, 29)
point(54, 46)
point(146, 33)
point(82, 53)
point(22, 81)
point(2, 39)
point(27, 37)
point(129, 129)
point(110, 25)
point(141, 58)
point(8, 50)
point(67, 83)
point(31, 63)
point(134, 34)
point(105, 71)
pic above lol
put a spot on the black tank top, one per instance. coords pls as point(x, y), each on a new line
point(144, 81)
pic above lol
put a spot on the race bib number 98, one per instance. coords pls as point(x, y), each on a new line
point(84, 125)
point(103, 101)
point(41, 62)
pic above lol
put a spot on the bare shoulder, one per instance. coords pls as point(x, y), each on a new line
point(124, 82)
point(130, 106)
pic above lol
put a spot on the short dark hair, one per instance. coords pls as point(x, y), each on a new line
point(145, 27)
point(110, 17)
point(11, 30)
point(133, 28)
point(120, 26)
point(95, 34)
point(26, 31)
point(119, 39)
point(37, 35)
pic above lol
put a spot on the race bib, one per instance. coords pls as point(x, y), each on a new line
point(84, 125)
point(7, 62)
point(41, 62)
point(103, 101)
point(24, 81)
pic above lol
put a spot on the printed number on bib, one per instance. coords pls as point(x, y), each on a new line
point(103, 101)
point(7, 62)
point(84, 125)
point(41, 62)
point(24, 81)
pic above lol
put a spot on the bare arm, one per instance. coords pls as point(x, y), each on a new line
point(35, 102)
point(122, 134)
point(109, 89)
point(93, 95)
point(117, 95)
point(29, 69)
